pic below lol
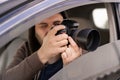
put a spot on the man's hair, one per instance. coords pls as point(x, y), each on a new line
point(63, 14)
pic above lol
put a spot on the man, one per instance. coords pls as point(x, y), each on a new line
point(45, 53)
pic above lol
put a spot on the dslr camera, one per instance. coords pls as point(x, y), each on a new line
point(88, 38)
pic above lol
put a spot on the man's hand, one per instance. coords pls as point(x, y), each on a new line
point(71, 53)
point(53, 44)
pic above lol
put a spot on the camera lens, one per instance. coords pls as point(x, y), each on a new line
point(93, 40)
point(87, 39)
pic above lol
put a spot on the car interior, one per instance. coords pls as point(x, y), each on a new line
point(84, 15)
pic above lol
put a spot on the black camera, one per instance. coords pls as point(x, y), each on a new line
point(87, 39)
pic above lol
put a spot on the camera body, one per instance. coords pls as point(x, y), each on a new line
point(88, 39)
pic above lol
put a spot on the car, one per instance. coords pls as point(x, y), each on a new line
point(16, 17)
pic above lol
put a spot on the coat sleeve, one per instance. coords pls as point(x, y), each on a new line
point(23, 67)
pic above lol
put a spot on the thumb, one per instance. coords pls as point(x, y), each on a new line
point(64, 58)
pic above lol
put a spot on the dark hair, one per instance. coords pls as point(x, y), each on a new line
point(34, 45)
point(63, 14)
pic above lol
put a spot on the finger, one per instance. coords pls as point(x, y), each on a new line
point(68, 52)
point(72, 42)
point(81, 51)
point(61, 37)
point(67, 56)
point(63, 55)
point(77, 51)
point(62, 43)
point(56, 29)
point(64, 58)
point(62, 49)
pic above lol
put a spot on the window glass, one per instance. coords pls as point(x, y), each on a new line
point(100, 18)
point(95, 17)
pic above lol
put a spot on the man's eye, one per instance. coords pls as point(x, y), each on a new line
point(57, 23)
point(43, 25)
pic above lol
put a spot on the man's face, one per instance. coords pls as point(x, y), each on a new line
point(42, 28)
